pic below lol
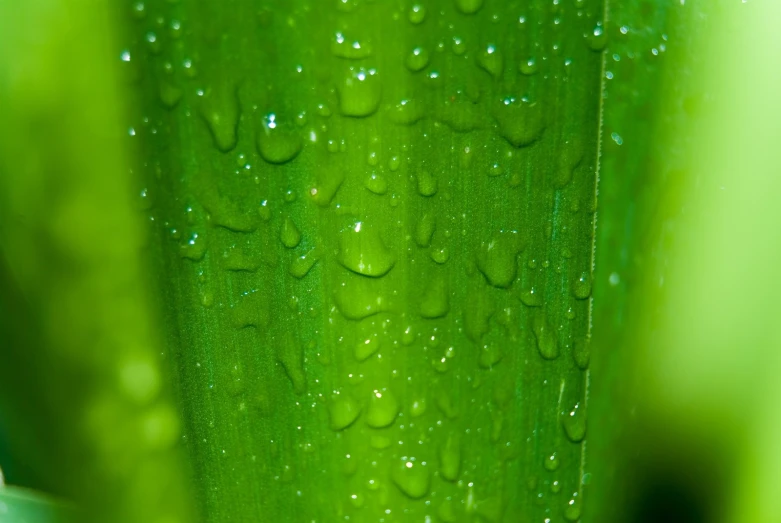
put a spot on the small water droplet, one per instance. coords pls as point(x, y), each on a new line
point(427, 184)
point(547, 341)
point(289, 235)
point(551, 462)
point(574, 423)
point(469, 7)
point(277, 142)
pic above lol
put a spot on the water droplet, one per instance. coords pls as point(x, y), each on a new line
point(383, 409)
point(250, 310)
point(555, 486)
point(581, 288)
point(417, 60)
point(572, 509)
point(574, 423)
point(427, 184)
point(417, 14)
point(194, 248)
point(362, 251)
point(529, 66)
point(289, 235)
point(169, 94)
point(366, 348)
point(290, 354)
point(358, 298)
point(412, 478)
point(478, 309)
point(376, 183)
point(348, 48)
point(551, 462)
point(547, 342)
point(520, 123)
point(440, 254)
point(417, 407)
point(581, 353)
point(236, 259)
point(491, 61)
point(496, 259)
point(359, 92)
point(450, 458)
point(490, 355)
point(435, 302)
point(469, 7)
point(531, 297)
point(277, 142)
point(424, 230)
point(459, 46)
point(406, 112)
point(597, 39)
point(327, 183)
point(343, 411)
point(301, 265)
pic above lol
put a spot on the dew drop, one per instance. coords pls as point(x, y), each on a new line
point(491, 61)
point(412, 478)
point(277, 143)
point(362, 251)
point(547, 342)
point(383, 409)
point(289, 235)
point(417, 60)
point(469, 7)
point(359, 92)
point(417, 14)
point(496, 259)
point(450, 458)
point(343, 411)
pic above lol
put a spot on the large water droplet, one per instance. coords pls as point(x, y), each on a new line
point(574, 423)
point(424, 230)
point(362, 251)
point(327, 183)
point(491, 61)
point(277, 142)
point(417, 60)
point(406, 112)
point(383, 409)
point(220, 109)
point(343, 411)
point(366, 348)
point(412, 478)
point(581, 353)
point(496, 259)
point(520, 123)
point(358, 298)
point(301, 265)
point(427, 184)
point(417, 14)
point(450, 458)
point(435, 302)
point(359, 92)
